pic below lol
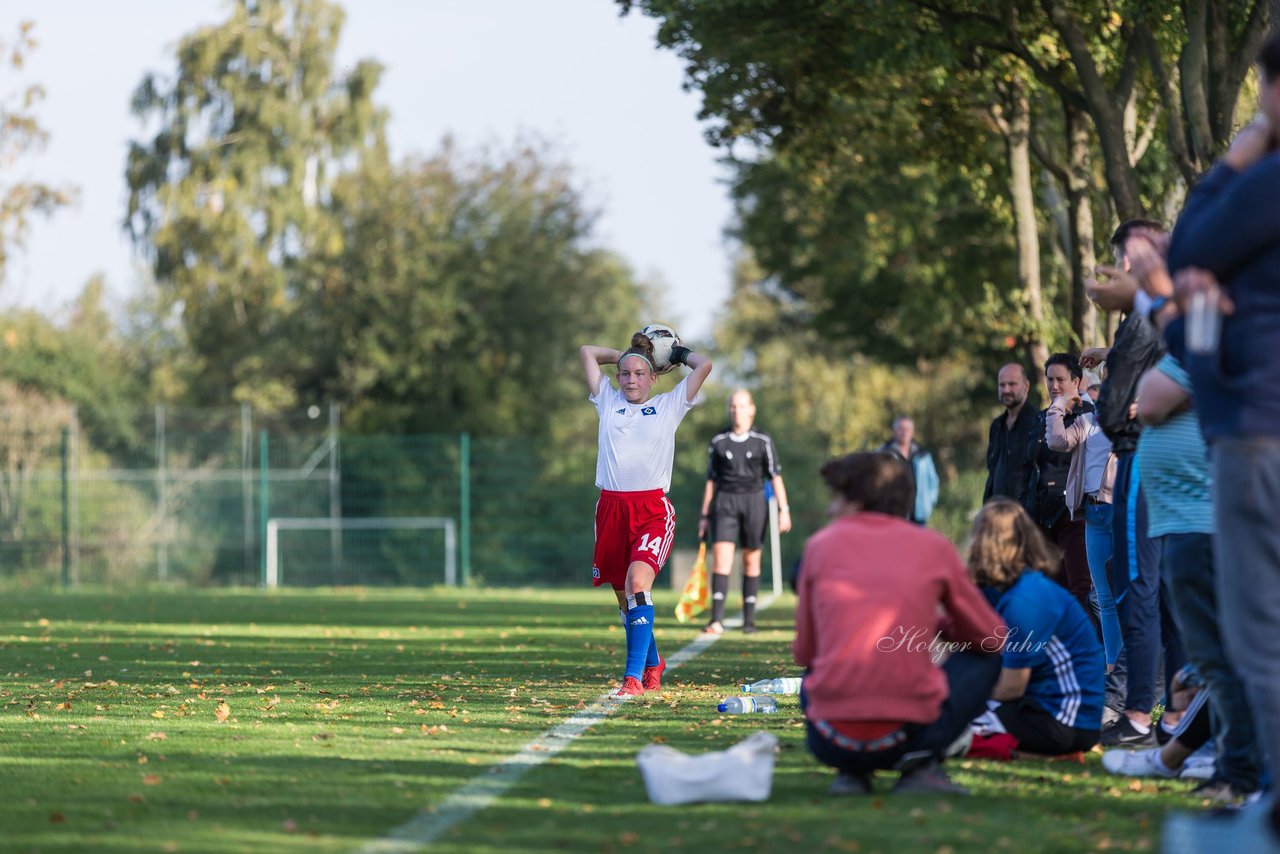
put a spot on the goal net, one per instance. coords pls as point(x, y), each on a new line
point(319, 551)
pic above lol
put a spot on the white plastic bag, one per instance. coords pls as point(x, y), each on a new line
point(744, 772)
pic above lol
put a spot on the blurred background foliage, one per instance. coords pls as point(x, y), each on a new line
point(921, 191)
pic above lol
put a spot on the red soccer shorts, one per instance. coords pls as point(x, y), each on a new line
point(630, 527)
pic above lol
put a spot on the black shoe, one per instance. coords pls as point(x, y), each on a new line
point(928, 779)
point(850, 784)
point(1122, 733)
point(749, 628)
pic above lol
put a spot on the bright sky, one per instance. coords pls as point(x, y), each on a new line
point(486, 71)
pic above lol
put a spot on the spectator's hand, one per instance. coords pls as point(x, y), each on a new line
point(1133, 411)
point(1251, 143)
point(1193, 280)
point(784, 521)
point(1146, 250)
point(1093, 357)
point(1113, 289)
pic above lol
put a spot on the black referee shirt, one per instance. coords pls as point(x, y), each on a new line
point(742, 463)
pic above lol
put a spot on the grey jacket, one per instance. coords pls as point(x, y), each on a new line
point(1071, 439)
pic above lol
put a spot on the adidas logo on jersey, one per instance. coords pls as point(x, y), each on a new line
point(622, 411)
point(640, 621)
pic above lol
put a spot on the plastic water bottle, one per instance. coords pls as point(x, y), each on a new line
point(781, 685)
point(746, 705)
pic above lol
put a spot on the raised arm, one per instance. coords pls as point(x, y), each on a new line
point(1060, 436)
point(701, 366)
point(592, 358)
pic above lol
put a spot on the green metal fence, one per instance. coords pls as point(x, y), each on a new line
point(190, 497)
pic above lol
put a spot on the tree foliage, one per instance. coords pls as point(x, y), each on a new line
point(21, 134)
point(231, 194)
point(464, 290)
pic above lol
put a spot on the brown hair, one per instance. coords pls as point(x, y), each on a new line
point(1006, 543)
point(640, 346)
point(877, 482)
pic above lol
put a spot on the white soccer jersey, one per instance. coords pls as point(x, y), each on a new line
point(638, 440)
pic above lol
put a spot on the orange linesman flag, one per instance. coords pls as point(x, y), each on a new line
point(697, 594)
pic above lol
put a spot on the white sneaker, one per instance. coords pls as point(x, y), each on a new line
point(1199, 765)
point(1136, 763)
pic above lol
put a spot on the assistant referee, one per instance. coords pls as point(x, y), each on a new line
point(734, 509)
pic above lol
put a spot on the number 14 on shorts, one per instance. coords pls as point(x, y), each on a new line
point(651, 544)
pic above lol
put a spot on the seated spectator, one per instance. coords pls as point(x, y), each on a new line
point(1187, 726)
point(870, 595)
point(1050, 686)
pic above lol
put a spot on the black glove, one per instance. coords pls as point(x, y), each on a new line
point(680, 355)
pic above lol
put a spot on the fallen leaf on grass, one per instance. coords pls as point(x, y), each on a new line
point(157, 714)
point(156, 736)
point(1135, 785)
point(151, 779)
point(136, 799)
point(57, 818)
point(223, 711)
point(64, 707)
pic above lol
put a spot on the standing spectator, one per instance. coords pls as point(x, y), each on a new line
point(1135, 564)
point(1049, 470)
point(1009, 436)
point(734, 510)
point(1174, 466)
point(1230, 231)
point(1050, 686)
point(1071, 429)
point(924, 477)
point(871, 586)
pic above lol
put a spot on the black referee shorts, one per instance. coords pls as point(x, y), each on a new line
point(739, 517)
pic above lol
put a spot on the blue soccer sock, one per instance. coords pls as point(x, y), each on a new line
point(652, 659)
point(639, 632)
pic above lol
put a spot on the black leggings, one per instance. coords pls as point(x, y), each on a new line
point(1037, 731)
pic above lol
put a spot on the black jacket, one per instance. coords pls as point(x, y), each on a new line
point(1007, 454)
point(1137, 348)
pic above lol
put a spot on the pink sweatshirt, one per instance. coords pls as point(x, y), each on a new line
point(874, 592)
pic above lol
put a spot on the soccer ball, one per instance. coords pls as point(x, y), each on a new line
point(663, 338)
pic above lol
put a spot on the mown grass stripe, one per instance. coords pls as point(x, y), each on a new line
point(427, 826)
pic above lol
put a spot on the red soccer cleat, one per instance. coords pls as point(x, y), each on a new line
point(630, 687)
point(652, 679)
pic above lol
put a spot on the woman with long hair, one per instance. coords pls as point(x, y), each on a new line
point(1052, 673)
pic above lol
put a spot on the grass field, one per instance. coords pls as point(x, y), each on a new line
point(316, 721)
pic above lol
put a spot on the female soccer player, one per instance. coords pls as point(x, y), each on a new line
point(635, 523)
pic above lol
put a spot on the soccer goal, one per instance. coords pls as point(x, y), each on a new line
point(391, 523)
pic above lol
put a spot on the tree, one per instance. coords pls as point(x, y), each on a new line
point(793, 78)
point(464, 290)
point(230, 199)
point(20, 134)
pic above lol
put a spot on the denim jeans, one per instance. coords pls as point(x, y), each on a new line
point(971, 677)
point(1246, 494)
point(1188, 571)
point(1145, 619)
point(1097, 541)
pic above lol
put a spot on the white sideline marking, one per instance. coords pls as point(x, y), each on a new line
point(425, 827)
